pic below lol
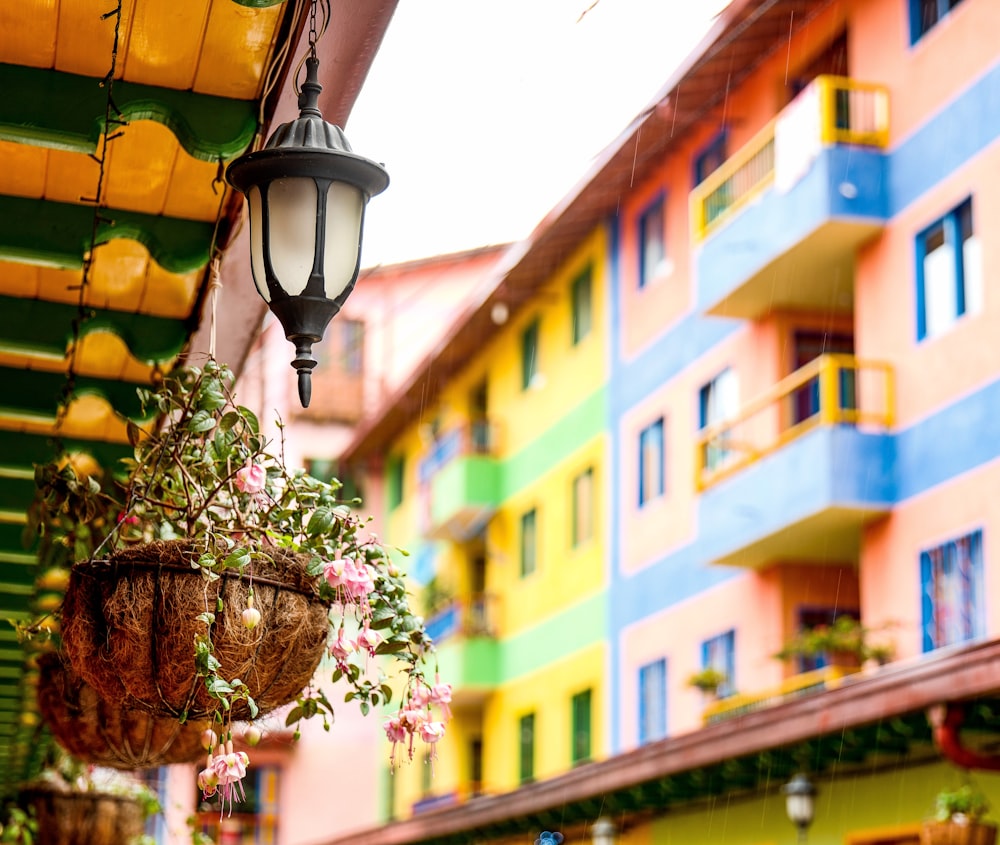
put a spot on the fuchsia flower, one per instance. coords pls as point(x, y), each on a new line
point(208, 780)
point(359, 580)
point(342, 647)
point(369, 640)
point(440, 695)
point(431, 732)
point(335, 572)
point(251, 479)
point(394, 729)
point(420, 696)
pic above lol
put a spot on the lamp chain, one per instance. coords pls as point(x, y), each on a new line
point(312, 29)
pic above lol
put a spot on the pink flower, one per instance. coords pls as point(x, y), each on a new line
point(394, 729)
point(359, 579)
point(230, 769)
point(342, 647)
point(335, 572)
point(369, 640)
point(420, 695)
point(441, 696)
point(412, 718)
point(251, 478)
point(208, 780)
point(431, 732)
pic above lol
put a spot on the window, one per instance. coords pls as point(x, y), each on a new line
point(526, 733)
point(529, 541)
point(951, 579)
point(925, 14)
point(651, 460)
point(156, 781)
point(580, 720)
point(529, 355)
point(581, 310)
point(718, 401)
point(395, 474)
point(653, 701)
point(719, 653)
point(583, 507)
point(352, 345)
point(652, 246)
point(949, 272)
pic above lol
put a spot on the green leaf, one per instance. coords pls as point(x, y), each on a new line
point(365, 707)
point(134, 433)
point(320, 522)
point(201, 421)
point(207, 618)
point(293, 716)
point(251, 419)
point(238, 559)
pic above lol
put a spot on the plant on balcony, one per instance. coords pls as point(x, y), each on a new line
point(216, 579)
point(708, 680)
point(959, 819)
point(845, 642)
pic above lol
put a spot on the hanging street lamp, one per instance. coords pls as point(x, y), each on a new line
point(800, 803)
point(307, 193)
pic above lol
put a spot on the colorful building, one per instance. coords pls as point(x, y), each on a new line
point(739, 384)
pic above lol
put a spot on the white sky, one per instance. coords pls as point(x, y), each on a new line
point(486, 112)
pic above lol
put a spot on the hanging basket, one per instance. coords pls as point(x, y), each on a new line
point(130, 624)
point(84, 818)
point(116, 736)
point(956, 833)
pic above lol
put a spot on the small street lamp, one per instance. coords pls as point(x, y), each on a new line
point(307, 193)
point(800, 803)
point(603, 832)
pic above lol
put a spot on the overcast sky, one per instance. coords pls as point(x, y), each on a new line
point(486, 112)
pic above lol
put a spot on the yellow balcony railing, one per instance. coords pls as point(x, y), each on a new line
point(850, 112)
point(804, 683)
point(829, 390)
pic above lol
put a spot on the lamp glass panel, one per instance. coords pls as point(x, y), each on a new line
point(344, 206)
point(257, 243)
point(799, 808)
point(291, 217)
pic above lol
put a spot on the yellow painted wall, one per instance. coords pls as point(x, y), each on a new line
point(564, 575)
point(547, 694)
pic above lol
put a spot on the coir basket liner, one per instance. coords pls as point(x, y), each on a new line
point(117, 736)
point(130, 623)
point(84, 818)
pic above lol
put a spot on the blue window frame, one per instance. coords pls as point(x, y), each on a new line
point(651, 462)
point(719, 653)
point(926, 14)
point(653, 701)
point(718, 401)
point(710, 158)
point(951, 580)
point(949, 271)
point(652, 241)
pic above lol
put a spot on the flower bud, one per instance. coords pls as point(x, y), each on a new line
point(251, 618)
point(208, 739)
point(252, 735)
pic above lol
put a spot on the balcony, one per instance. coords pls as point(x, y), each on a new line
point(467, 650)
point(801, 469)
point(460, 482)
point(805, 683)
point(779, 223)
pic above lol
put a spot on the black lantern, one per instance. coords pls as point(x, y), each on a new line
point(800, 802)
point(307, 193)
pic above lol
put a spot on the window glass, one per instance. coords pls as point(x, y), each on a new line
point(652, 245)
point(651, 462)
point(529, 541)
point(949, 272)
point(526, 732)
point(653, 701)
point(951, 576)
point(583, 507)
point(580, 718)
point(581, 305)
point(529, 355)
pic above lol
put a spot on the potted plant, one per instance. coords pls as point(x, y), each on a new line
point(845, 642)
point(959, 819)
point(120, 737)
point(217, 579)
point(75, 804)
point(708, 680)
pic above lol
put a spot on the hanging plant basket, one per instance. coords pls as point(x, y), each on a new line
point(129, 622)
point(84, 818)
point(952, 832)
point(116, 736)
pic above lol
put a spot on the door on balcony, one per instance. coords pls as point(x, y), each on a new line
point(810, 345)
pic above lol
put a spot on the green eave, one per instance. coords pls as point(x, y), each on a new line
point(55, 234)
point(37, 395)
point(38, 327)
point(63, 111)
point(25, 450)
